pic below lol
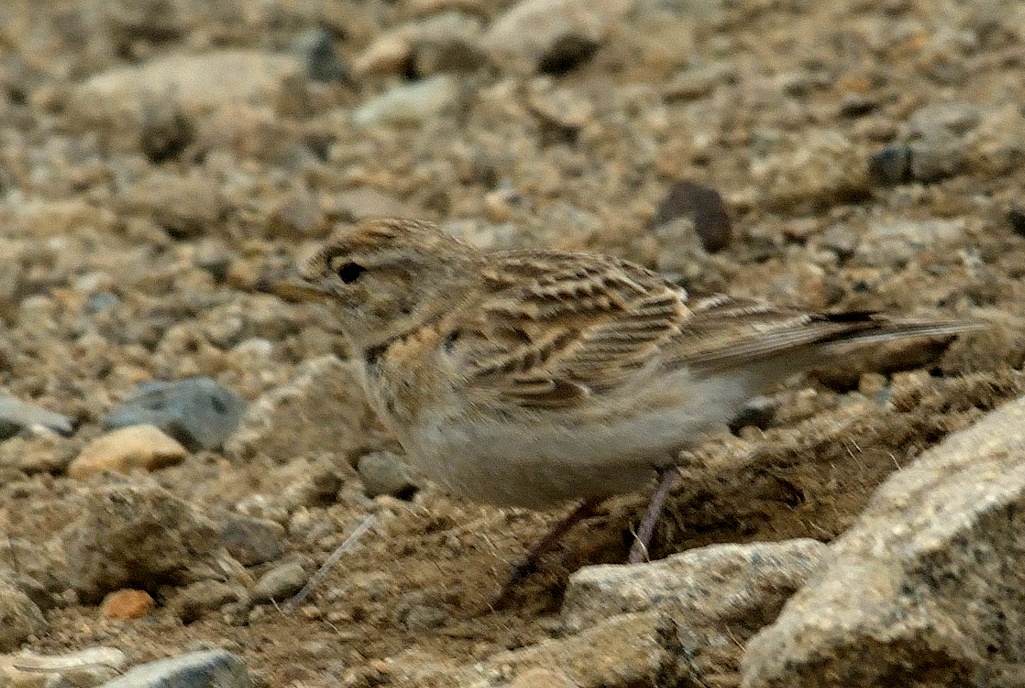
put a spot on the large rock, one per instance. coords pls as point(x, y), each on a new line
point(928, 588)
point(208, 669)
point(139, 536)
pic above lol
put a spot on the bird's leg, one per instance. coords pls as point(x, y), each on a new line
point(639, 549)
point(529, 562)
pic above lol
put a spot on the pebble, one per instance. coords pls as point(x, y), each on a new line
point(208, 669)
point(83, 669)
point(252, 541)
point(201, 597)
point(410, 104)
point(16, 415)
point(925, 583)
point(705, 205)
point(384, 473)
point(124, 450)
point(551, 35)
point(197, 411)
point(138, 536)
point(127, 604)
point(280, 583)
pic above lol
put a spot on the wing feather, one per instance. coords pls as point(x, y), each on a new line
point(558, 328)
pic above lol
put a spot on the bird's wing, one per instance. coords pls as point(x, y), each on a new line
point(557, 328)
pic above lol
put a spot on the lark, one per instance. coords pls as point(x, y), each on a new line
point(532, 378)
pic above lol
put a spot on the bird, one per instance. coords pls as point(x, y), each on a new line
point(532, 378)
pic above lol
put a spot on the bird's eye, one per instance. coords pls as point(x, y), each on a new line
point(350, 272)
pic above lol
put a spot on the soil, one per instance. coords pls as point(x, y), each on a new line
point(111, 274)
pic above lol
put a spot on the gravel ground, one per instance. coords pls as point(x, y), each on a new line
point(158, 159)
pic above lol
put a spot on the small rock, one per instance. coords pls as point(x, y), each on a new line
point(696, 82)
point(944, 119)
point(410, 104)
point(423, 617)
point(926, 588)
point(322, 410)
point(252, 541)
point(37, 452)
point(82, 669)
point(280, 583)
point(16, 415)
point(139, 446)
point(210, 669)
point(198, 412)
point(896, 242)
point(127, 604)
point(826, 170)
point(551, 35)
point(737, 585)
point(19, 617)
point(139, 536)
point(924, 161)
point(705, 205)
point(201, 597)
point(186, 206)
point(384, 473)
point(316, 48)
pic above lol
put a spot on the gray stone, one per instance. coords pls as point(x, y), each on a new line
point(252, 541)
point(210, 669)
point(410, 104)
point(384, 473)
point(927, 588)
point(198, 412)
point(82, 669)
point(139, 536)
point(280, 583)
point(16, 415)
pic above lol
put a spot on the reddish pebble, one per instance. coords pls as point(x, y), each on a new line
point(127, 604)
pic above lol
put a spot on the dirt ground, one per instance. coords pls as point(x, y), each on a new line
point(124, 260)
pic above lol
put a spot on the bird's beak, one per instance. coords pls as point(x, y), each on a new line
point(294, 288)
